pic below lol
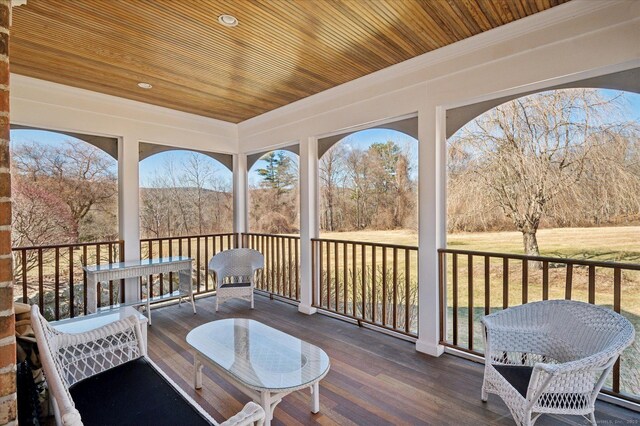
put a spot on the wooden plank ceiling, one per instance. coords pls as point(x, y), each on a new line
point(280, 52)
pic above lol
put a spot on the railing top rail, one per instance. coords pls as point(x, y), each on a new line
point(54, 246)
point(367, 243)
point(177, 237)
point(597, 263)
point(297, 237)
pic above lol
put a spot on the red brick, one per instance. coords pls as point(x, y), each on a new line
point(6, 298)
point(4, 125)
point(6, 270)
point(7, 326)
point(5, 212)
point(7, 383)
point(4, 15)
point(4, 103)
point(5, 186)
point(4, 44)
point(5, 241)
point(7, 352)
point(8, 410)
point(4, 73)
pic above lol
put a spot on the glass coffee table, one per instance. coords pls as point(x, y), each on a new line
point(265, 363)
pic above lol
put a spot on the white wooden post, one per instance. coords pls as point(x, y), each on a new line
point(432, 223)
point(129, 207)
point(240, 212)
point(308, 219)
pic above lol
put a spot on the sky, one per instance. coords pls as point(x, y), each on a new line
point(359, 140)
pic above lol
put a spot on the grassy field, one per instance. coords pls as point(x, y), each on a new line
point(606, 243)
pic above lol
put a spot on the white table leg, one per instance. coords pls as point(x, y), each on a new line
point(197, 366)
point(92, 295)
point(265, 402)
point(315, 397)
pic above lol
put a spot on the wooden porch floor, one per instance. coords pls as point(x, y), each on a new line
point(374, 379)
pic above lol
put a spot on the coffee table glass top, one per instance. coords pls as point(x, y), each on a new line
point(259, 356)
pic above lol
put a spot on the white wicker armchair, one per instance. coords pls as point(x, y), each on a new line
point(103, 376)
point(235, 273)
point(551, 356)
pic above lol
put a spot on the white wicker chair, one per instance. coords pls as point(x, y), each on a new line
point(71, 361)
point(551, 357)
point(235, 272)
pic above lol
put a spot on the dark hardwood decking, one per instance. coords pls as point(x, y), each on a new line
point(375, 379)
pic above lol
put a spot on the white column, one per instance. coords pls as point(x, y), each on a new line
point(129, 207)
point(240, 212)
point(308, 219)
point(431, 222)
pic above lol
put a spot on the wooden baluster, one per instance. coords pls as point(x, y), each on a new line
point(454, 302)
point(505, 282)
point(384, 286)
point(345, 274)
point(71, 286)
point(374, 299)
point(470, 301)
point(569, 282)
point(487, 285)
point(617, 292)
point(407, 290)
point(57, 284)
point(545, 280)
point(336, 269)
point(592, 284)
point(525, 281)
point(395, 288)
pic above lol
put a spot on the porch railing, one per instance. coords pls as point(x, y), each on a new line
point(52, 276)
point(198, 247)
point(474, 284)
point(369, 282)
point(281, 274)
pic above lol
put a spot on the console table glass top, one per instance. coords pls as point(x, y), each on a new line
point(135, 263)
point(259, 356)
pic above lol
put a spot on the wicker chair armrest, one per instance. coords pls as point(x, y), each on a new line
point(111, 329)
point(71, 418)
point(251, 414)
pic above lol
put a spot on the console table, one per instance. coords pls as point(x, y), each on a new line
point(141, 268)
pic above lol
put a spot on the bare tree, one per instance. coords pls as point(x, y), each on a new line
point(79, 175)
point(331, 173)
point(186, 198)
point(528, 151)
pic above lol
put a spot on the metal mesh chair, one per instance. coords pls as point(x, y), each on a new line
point(235, 272)
point(551, 356)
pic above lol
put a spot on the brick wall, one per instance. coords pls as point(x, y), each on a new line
point(7, 333)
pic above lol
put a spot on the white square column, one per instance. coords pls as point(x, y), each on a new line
point(240, 212)
point(431, 223)
point(308, 219)
point(129, 207)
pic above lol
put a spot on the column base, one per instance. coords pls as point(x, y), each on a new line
point(307, 309)
point(429, 348)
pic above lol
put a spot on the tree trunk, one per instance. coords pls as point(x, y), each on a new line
point(531, 248)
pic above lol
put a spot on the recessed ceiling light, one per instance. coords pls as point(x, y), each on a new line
point(228, 20)
point(144, 85)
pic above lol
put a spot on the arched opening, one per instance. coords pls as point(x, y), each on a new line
point(368, 187)
point(274, 193)
point(553, 176)
point(532, 169)
point(65, 190)
point(65, 215)
point(184, 193)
